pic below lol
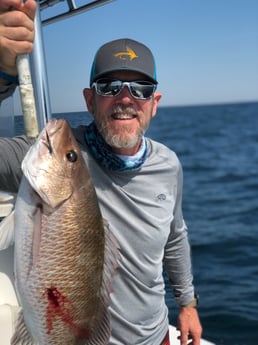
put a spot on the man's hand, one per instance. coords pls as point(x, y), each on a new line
point(189, 326)
point(16, 32)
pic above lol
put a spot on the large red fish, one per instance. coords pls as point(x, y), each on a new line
point(65, 254)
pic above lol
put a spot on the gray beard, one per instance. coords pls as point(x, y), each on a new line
point(121, 140)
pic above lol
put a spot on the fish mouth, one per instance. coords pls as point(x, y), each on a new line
point(51, 128)
point(55, 125)
point(46, 141)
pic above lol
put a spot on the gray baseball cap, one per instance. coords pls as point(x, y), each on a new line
point(123, 54)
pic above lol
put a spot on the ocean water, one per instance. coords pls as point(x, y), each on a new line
point(218, 149)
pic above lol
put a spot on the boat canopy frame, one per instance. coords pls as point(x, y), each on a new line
point(73, 8)
point(37, 58)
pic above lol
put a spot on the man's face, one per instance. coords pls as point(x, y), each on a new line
point(122, 120)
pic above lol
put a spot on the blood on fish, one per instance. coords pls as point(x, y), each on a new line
point(59, 306)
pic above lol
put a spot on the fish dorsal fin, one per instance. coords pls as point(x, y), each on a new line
point(21, 335)
point(7, 231)
point(112, 256)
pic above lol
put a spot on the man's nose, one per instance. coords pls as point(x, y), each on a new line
point(125, 95)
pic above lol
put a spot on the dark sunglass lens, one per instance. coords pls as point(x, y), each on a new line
point(142, 90)
point(108, 87)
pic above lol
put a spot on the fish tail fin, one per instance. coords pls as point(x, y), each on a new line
point(21, 334)
point(112, 256)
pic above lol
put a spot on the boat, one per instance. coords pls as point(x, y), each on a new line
point(9, 305)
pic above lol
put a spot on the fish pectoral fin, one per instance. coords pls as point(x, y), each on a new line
point(21, 334)
point(7, 231)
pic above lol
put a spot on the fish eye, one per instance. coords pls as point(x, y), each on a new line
point(72, 156)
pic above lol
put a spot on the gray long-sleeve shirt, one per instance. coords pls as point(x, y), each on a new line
point(145, 213)
point(143, 208)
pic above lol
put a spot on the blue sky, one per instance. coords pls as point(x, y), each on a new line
point(206, 51)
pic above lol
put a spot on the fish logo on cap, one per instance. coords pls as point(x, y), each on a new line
point(125, 54)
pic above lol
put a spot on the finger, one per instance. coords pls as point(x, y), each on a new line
point(16, 47)
point(16, 19)
point(7, 4)
point(26, 10)
point(196, 338)
point(19, 33)
point(15, 41)
point(183, 338)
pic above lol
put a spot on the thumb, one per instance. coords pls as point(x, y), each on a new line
point(29, 8)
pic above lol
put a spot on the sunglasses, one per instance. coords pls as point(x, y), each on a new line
point(112, 87)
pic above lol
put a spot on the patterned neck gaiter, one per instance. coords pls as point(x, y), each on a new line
point(102, 153)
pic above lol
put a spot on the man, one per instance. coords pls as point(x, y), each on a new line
point(138, 181)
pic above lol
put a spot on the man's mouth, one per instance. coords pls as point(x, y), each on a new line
point(123, 116)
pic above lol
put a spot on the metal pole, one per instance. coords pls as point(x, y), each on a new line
point(74, 10)
point(39, 75)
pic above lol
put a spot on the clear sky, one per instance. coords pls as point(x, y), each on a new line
point(206, 51)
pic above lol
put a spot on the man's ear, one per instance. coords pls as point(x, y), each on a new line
point(156, 99)
point(88, 96)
